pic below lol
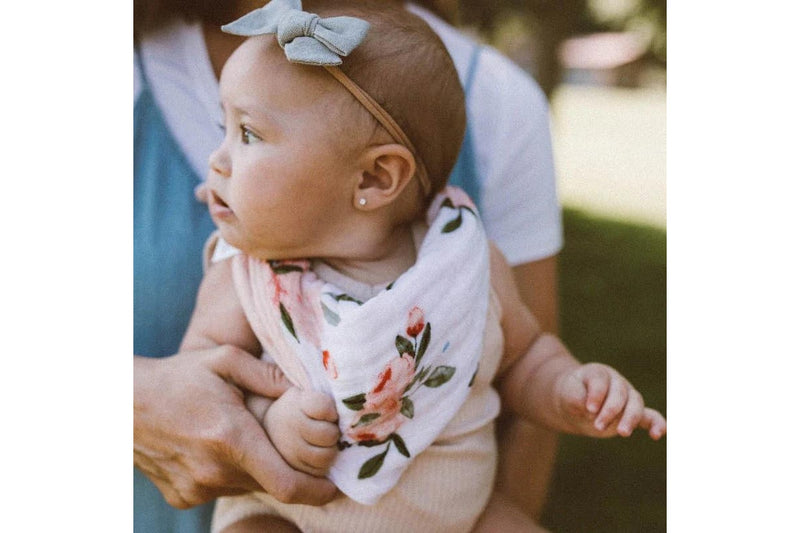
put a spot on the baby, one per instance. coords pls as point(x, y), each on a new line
point(342, 257)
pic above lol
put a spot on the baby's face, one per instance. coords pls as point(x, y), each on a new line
point(281, 183)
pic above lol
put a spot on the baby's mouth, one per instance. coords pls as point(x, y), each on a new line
point(217, 206)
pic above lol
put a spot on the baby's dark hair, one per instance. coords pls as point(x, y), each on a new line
point(406, 68)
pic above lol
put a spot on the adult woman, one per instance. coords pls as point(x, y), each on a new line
point(195, 447)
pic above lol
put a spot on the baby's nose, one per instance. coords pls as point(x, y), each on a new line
point(219, 162)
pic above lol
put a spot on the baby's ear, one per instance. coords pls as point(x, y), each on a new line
point(386, 171)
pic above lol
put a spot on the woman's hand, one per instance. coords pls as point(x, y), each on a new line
point(194, 437)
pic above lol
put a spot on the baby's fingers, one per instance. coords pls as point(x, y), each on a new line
point(596, 381)
point(317, 461)
point(632, 415)
point(614, 404)
point(318, 406)
point(319, 433)
point(654, 422)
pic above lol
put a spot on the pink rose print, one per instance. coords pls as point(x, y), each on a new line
point(454, 198)
point(459, 198)
point(380, 415)
point(385, 407)
point(416, 322)
point(296, 295)
point(330, 366)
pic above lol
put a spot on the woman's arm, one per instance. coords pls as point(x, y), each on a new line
point(218, 318)
point(528, 451)
point(193, 435)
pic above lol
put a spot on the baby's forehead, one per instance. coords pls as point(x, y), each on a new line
point(258, 76)
point(259, 56)
point(260, 65)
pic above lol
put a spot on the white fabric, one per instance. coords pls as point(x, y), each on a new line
point(185, 88)
point(400, 365)
point(508, 114)
point(510, 121)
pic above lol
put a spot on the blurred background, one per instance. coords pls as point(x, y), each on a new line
point(602, 65)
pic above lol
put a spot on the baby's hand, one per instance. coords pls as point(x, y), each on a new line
point(599, 402)
point(302, 427)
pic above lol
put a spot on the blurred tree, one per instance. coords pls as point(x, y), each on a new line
point(648, 17)
point(550, 22)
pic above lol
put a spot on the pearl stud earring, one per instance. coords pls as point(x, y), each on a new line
point(362, 202)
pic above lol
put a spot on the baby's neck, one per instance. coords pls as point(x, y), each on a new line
point(387, 262)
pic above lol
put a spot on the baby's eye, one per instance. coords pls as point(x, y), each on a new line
point(248, 136)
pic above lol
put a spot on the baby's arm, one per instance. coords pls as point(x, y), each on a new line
point(541, 381)
point(218, 318)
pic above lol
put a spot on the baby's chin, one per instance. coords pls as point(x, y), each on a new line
point(255, 250)
point(234, 239)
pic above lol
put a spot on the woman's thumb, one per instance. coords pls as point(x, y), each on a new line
point(254, 375)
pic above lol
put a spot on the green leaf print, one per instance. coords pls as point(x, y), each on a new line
point(472, 379)
point(440, 376)
point(407, 409)
point(372, 442)
point(423, 344)
point(330, 316)
point(366, 419)
point(403, 345)
point(371, 466)
point(343, 297)
point(425, 371)
point(453, 224)
point(287, 321)
point(356, 402)
point(400, 443)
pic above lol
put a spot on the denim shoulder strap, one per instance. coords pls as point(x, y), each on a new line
point(464, 172)
point(170, 228)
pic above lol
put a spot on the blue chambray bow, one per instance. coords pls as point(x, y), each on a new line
point(305, 37)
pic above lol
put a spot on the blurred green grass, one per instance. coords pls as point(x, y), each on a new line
point(613, 310)
point(610, 150)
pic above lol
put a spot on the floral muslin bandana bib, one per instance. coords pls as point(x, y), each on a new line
point(399, 365)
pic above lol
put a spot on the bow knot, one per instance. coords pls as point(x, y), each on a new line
point(305, 37)
point(294, 24)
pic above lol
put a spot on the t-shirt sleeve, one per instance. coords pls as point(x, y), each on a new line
point(510, 118)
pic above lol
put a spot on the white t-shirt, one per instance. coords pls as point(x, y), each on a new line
point(508, 115)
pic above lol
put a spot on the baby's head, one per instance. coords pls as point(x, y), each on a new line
point(309, 160)
point(404, 66)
